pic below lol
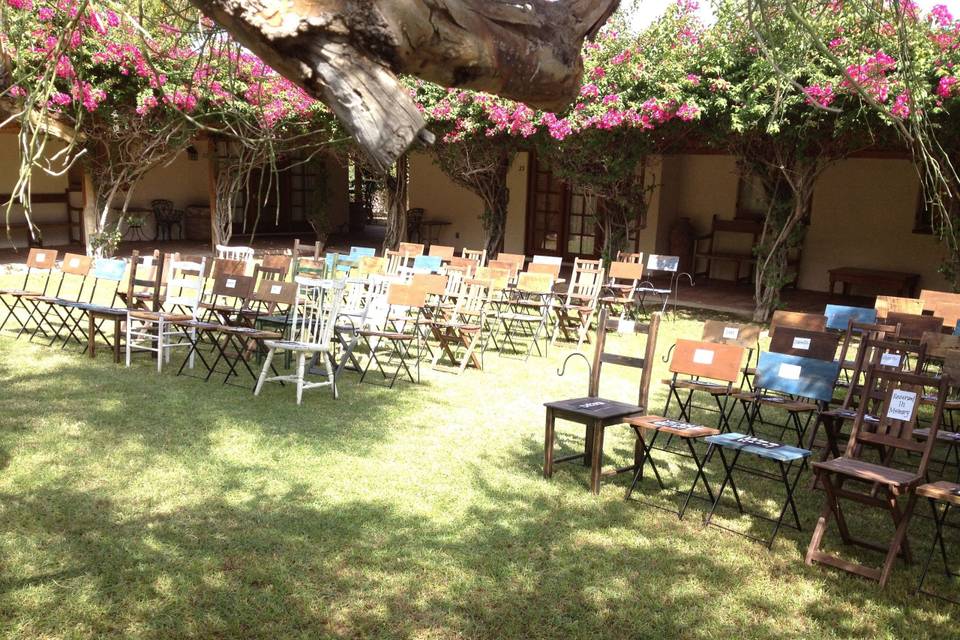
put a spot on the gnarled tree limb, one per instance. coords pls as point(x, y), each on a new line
point(348, 53)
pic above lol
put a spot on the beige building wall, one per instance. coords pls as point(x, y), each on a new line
point(42, 183)
point(441, 199)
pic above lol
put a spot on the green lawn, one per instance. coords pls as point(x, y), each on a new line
point(139, 505)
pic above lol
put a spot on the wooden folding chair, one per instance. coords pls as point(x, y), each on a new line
point(743, 335)
point(893, 304)
point(597, 413)
point(705, 368)
point(883, 486)
point(659, 264)
point(400, 330)
point(477, 255)
point(74, 270)
point(525, 312)
point(516, 260)
point(574, 313)
point(107, 272)
point(465, 328)
point(40, 262)
point(621, 287)
point(467, 265)
point(441, 251)
point(914, 326)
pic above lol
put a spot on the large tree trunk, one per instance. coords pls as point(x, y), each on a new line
point(396, 186)
point(347, 53)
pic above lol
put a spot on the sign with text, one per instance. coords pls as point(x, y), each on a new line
point(731, 333)
point(801, 343)
point(758, 442)
point(901, 405)
point(890, 360)
point(789, 371)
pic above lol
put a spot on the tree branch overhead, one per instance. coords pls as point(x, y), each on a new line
point(348, 53)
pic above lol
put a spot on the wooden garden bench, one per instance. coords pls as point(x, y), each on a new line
point(905, 284)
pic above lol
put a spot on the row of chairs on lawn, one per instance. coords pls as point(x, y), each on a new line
point(327, 312)
point(874, 394)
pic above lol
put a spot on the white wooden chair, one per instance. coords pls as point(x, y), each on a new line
point(226, 252)
point(163, 330)
point(464, 328)
point(480, 255)
point(314, 319)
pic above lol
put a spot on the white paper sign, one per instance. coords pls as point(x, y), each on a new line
point(74, 263)
point(890, 360)
point(626, 326)
point(41, 257)
point(231, 283)
point(652, 262)
point(801, 343)
point(789, 371)
point(731, 333)
point(703, 356)
point(901, 404)
point(275, 289)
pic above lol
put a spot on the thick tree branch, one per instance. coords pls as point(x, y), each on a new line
point(348, 53)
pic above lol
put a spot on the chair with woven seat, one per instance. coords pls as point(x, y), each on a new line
point(311, 333)
point(596, 413)
point(161, 330)
point(878, 483)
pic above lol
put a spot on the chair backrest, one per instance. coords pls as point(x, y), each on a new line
point(535, 283)
point(371, 266)
point(307, 250)
point(858, 332)
point(274, 266)
point(410, 249)
point(186, 283)
point(796, 376)
point(76, 264)
point(146, 277)
point(427, 263)
point(512, 268)
point(234, 253)
point(469, 265)
point(913, 326)
point(315, 310)
point(601, 356)
point(358, 252)
point(586, 282)
point(406, 295)
point(839, 316)
point(432, 283)
point(627, 271)
point(557, 260)
point(797, 320)
point(744, 335)
point(232, 290)
point(950, 312)
point(496, 279)
point(480, 255)
point(938, 344)
point(892, 304)
point(109, 269)
point(819, 345)
point(41, 259)
point(656, 262)
point(889, 423)
point(932, 299)
point(711, 360)
point(441, 251)
point(229, 266)
point(882, 354)
point(516, 259)
point(549, 268)
point(626, 256)
point(273, 294)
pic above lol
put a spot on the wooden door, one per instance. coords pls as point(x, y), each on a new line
point(546, 211)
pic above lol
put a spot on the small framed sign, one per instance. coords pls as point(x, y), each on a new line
point(801, 343)
point(890, 360)
point(231, 283)
point(275, 289)
point(41, 257)
point(902, 404)
point(703, 356)
point(731, 333)
point(74, 263)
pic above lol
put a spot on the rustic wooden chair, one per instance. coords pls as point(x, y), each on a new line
point(628, 256)
point(272, 267)
point(914, 326)
point(890, 432)
point(706, 368)
point(743, 335)
point(462, 333)
point(307, 250)
point(63, 303)
point(311, 332)
point(946, 494)
point(947, 353)
point(574, 313)
point(525, 313)
point(160, 331)
point(400, 331)
point(595, 412)
point(621, 287)
point(40, 262)
point(479, 255)
point(410, 249)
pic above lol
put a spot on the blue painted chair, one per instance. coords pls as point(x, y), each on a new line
point(359, 252)
point(796, 384)
point(840, 316)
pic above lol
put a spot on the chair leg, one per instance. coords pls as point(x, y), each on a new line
point(129, 324)
point(301, 366)
point(263, 372)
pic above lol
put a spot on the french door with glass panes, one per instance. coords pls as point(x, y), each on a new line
point(560, 220)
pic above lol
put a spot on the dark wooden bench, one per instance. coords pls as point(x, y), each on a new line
point(905, 284)
point(73, 225)
point(709, 250)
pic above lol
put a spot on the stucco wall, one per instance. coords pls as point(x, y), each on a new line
point(441, 199)
point(43, 183)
